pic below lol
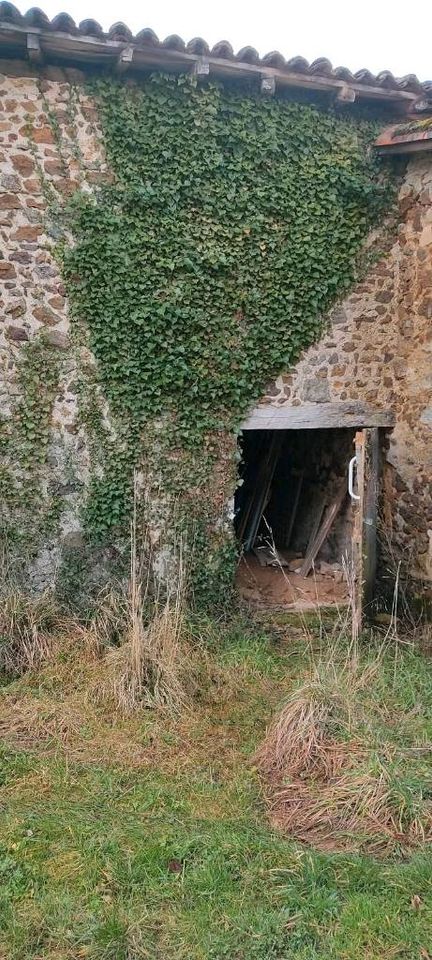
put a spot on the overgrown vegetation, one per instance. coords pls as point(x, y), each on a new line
point(145, 834)
point(201, 271)
point(28, 511)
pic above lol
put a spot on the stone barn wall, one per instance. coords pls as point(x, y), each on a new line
point(49, 147)
point(377, 347)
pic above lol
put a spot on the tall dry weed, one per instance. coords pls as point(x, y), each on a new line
point(153, 665)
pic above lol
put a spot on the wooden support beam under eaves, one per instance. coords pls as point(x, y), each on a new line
point(124, 60)
point(34, 51)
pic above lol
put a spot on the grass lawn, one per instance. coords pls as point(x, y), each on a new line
point(147, 836)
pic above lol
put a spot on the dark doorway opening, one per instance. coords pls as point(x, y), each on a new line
point(294, 517)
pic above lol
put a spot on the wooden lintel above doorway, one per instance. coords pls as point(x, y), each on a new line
point(313, 416)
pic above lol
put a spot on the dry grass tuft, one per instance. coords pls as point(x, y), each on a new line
point(339, 807)
point(70, 725)
point(151, 665)
point(30, 721)
point(321, 783)
point(298, 739)
point(295, 741)
point(27, 628)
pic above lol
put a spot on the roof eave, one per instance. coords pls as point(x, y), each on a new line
point(87, 52)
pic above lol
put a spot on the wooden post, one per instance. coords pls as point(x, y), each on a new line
point(323, 529)
point(365, 523)
point(371, 484)
point(357, 586)
point(294, 508)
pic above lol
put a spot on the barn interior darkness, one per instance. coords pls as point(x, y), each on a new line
point(289, 481)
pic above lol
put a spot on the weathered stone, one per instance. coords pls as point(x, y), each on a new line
point(45, 270)
point(384, 296)
point(9, 201)
point(71, 428)
point(55, 168)
point(66, 489)
point(315, 391)
point(16, 308)
point(57, 302)
point(65, 186)
point(7, 270)
point(10, 183)
point(425, 237)
point(74, 540)
point(97, 176)
point(42, 134)
point(32, 186)
point(17, 334)
point(271, 390)
point(21, 256)
point(35, 204)
point(46, 315)
point(426, 197)
point(27, 233)
point(405, 204)
point(23, 163)
point(34, 216)
point(57, 339)
point(400, 368)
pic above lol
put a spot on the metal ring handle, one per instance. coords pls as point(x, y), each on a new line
point(352, 463)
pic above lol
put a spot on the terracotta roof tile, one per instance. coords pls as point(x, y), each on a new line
point(89, 28)
point(395, 138)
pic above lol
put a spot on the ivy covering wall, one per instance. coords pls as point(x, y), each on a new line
point(202, 270)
